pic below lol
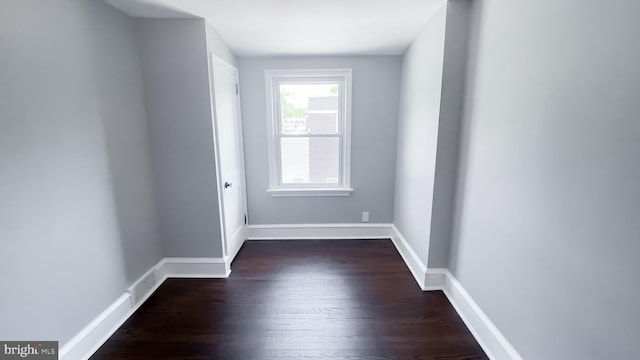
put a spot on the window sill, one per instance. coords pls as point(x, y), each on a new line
point(311, 192)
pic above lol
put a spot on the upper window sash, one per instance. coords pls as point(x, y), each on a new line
point(341, 110)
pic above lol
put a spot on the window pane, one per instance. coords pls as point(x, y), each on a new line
point(309, 108)
point(310, 160)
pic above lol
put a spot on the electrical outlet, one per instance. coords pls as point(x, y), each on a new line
point(365, 216)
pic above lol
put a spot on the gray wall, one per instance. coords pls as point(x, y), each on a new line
point(176, 84)
point(422, 67)
point(548, 239)
point(77, 221)
point(451, 107)
point(216, 45)
point(373, 147)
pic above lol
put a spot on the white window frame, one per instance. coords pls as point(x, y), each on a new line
point(273, 78)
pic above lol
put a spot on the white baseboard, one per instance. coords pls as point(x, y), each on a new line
point(494, 344)
point(89, 339)
point(415, 265)
point(435, 279)
point(141, 288)
point(214, 268)
point(492, 341)
point(319, 231)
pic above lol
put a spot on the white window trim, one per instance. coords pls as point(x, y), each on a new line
point(276, 188)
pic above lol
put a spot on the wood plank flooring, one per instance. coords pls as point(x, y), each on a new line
point(308, 300)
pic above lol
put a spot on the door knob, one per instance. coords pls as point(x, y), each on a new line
point(227, 184)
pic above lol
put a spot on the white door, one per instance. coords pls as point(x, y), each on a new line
point(230, 157)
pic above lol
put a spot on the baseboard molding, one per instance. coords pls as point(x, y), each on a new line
point(89, 339)
point(435, 279)
point(318, 231)
point(492, 341)
point(416, 266)
point(141, 288)
point(494, 344)
point(214, 268)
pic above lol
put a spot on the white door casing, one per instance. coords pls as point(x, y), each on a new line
point(229, 154)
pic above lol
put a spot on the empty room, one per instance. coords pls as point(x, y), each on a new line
point(320, 180)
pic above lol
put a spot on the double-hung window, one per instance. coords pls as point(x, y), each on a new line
point(309, 123)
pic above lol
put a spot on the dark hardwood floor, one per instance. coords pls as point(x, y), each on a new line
point(309, 299)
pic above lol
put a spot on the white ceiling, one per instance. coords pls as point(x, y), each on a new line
point(301, 27)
